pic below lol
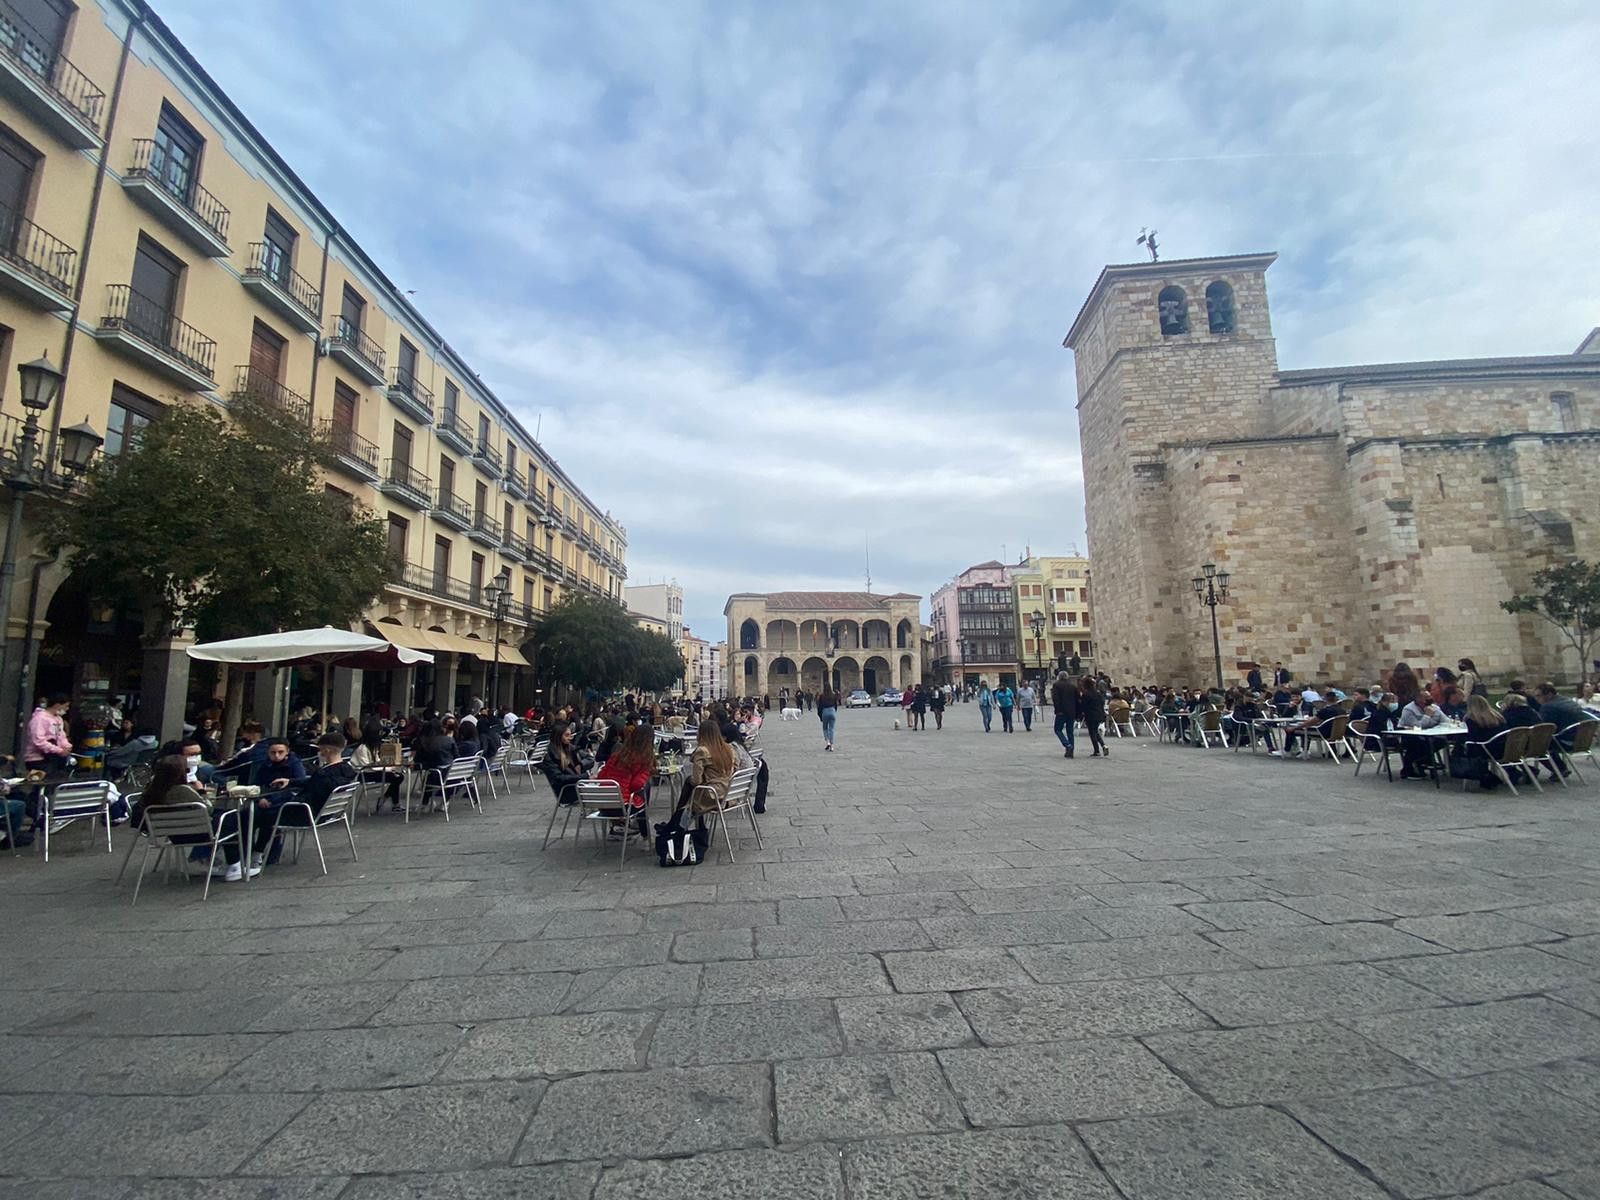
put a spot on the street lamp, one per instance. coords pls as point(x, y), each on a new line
point(23, 470)
point(498, 594)
point(1037, 621)
point(1211, 586)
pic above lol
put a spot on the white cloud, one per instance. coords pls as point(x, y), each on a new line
point(771, 279)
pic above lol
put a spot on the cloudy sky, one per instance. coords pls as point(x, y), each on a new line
point(775, 277)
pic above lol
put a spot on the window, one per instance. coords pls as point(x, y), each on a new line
point(1173, 305)
point(154, 288)
point(18, 162)
point(480, 499)
point(406, 368)
point(352, 312)
point(345, 500)
point(510, 523)
point(483, 429)
point(549, 597)
point(511, 458)
point(1566, 411)
point(447, 476)
point(1061, 620)
point(402, 445)
point(1219, 307)
point(1085, 647)
point(452, 398)
point(344, 407)
point(266, 354)
point(399, 528)
point(527, 592)
point(278, 238)
point(477, 575)
point(176, 161)
point(1072, 619)
point(46, 24)
point(130, 413)
point(441, 560)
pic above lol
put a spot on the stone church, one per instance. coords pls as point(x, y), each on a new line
point(1368, 514)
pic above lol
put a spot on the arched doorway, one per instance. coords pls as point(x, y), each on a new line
point(813, 635)
point(782, 635)
point(749, 636)
point(782, 674)
point(875, 674)
point(909, 675)
point(875, 635)
point(752, 676)
point(846, 635)
point(93, 652)
point(846, 675)
point(903, 633)
point(813, 675)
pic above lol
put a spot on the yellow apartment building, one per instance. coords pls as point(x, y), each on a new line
point(160, 252)
point(1056, 588)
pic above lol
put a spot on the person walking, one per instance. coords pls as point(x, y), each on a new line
point(1006, 700)
point(1026, 698)
point(985, 704)
point(1064, 699)
point(1092, 708)
point(906, 699)
point(936, 702)
point(919, 708)
point(828, 711)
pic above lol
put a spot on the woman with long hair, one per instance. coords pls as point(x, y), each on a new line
point(169, 787)
point(1483, 722)
point(631, 767)
point(711, 767)
point(1403, 682)
point(828, 711)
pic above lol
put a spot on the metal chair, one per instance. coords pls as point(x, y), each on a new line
point(1363, 745)
point(496, 765)
point(1581, 741)
point(1208, 726)
point(1512, 745)
point(1329, 735)
point(740, 795)
point(1537, 753)
point(459, 776)
point(192, 822)
point(566, 799)
point(335, 811)
point(82, 801)
point(604, 797)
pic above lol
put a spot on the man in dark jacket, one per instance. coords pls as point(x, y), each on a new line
point(1064, 699)
point(1563, 713)
point(1254, 678)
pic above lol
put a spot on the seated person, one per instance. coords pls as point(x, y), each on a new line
point(130, 751)
point(563, 764)
point(1518, 712)
point(1118, 709)
point(1483, 723)
point(242, 764)
point(364, 758)
point(1246, 712)
point(333, 771)
point(1416, 754)
point(1283, 700)
point(490, 739)
point(169, 786)
point(1563, 713)
point(16, 810)
point(467, 744)
point(1454, 704)
point(433, 749)
point(1363, 708)
point(631, 767)
point(1321, 718)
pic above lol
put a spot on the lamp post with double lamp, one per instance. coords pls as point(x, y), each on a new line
point(1211, 586)
point(1037, 622)
point(498, 594)
point(24, 470)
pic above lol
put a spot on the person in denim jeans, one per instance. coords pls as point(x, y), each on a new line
point(828, 710)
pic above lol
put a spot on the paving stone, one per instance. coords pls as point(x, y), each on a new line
point(786, 941)
point(1144, 922)
point(713, 945)
point(1583, 1184)
point(1062, 1081)
point(323, 1006)
point(1008, 1016)
point(473, 998)
point(203, 1136)
point(902, 907)
point(953, 970)
point(135, 1066)
point(1302, 945)
point(1489, 974)
point(1247, 914)
point(1132, 895)
point(66, 1189)
point(1453, 1137)
point(1334, 909)
point(1126, 958)
point(921, 1021)
point(1571, 917)
point(819, 910)
point(647, 1113)
point(429, 962)
point(1474, 931)
point(1236, 1154)
point(1009, 929)
point(1436, 901)
point(521, 1049)
point(793, 978)
point(1031, 898)
point(594, 922)
point(661, 986)
point(768, 1030)
point(1576, 1078)
point(1299, 993)
point(1471, 1039)
point(440, 1127)
point(860, 1096)
point(1585, 949)
point(321, 1060)
point(559, 1181)
point(808, 1173)
point(20, 1056)
point(1280, 1062)
point(576, 954)
point(997, 1165)
point(324, 1188)
point(1584, 995)
point(680, 917)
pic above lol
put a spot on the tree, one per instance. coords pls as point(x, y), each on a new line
point(221, 524)
point(590, 642)
point(1567, 596)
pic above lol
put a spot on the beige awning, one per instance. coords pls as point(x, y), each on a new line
point(510, 656)
point(408, 636)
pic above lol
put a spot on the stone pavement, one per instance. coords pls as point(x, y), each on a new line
point(961, 967)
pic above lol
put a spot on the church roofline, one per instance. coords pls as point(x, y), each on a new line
point(1447, 368)
point(1115, 272)
point(1590, 344)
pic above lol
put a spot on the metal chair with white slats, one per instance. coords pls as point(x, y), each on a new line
point(335, 811)
point(192, 822)
point(80, 801)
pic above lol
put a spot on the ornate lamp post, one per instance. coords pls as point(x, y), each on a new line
point(498, 594)
point(23, 470)
point(1037, 621)
point(1211, 586)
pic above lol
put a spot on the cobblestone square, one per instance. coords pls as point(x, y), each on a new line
point(959, 962)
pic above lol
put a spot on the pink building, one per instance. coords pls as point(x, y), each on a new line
point(975, 627)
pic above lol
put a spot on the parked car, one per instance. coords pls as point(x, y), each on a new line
point(890, 696)
point(860, 698)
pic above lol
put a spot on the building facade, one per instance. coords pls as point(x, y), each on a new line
point(664, 602)
point(801, 640)
point(1367, 514)
point(1054, 588)
point(975, 631)
point(163, 253)
point(695, 652)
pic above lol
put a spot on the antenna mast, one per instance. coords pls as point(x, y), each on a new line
point(868, 553)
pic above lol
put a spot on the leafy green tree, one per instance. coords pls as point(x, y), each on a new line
point(590, 642)
point(221, 523)
point(1568, 597)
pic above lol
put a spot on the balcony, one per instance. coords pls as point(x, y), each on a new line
point(166, 189)
point(405, 483)
point(46, 86)
point(352, 453)
point(973, 606)
point(292, 296)
point(434, 583)
point(250, 383)
point(450, 509)
point(145, 331)
point(485, 530)
point(487, 458)
point(36, 267)
point(516, 484)
point(358, 353)
point(453, 431)
point(515, 548)
point(408, 395)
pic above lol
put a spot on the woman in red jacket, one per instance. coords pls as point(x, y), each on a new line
point(632, 768)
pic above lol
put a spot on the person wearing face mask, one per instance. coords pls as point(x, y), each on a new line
point(333, 771)
point(1417, 753)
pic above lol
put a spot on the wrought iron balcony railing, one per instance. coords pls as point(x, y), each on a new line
point(151, 323)
point(42, 255)
point(267, 262)
point(35, 53)
point(151, 161)
point(256, 384)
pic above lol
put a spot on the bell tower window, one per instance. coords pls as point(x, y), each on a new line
point(1174, 308)
point(1219, 307)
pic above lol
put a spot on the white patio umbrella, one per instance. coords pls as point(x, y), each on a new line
point(327, 646)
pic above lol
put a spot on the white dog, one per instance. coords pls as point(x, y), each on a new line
point(789, 714)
